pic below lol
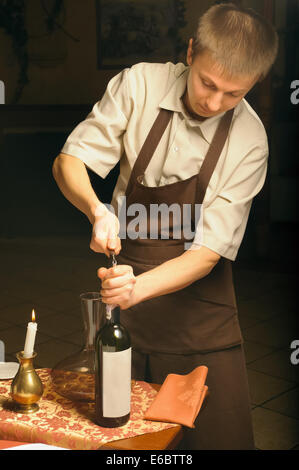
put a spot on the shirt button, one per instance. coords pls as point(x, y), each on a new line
point(176, 149)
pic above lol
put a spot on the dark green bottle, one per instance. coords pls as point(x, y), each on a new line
point(113, 372)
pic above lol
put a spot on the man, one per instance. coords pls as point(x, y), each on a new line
point(186, 136)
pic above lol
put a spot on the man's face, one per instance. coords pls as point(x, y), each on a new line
point(209, 92)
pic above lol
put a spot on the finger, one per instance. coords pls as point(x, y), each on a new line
point(98, 242)
point(102, 273)
point(105, 273)
point(100, 237)
point(111, 244)
point(118, 270)
point(119, 297)
point(112, 301)
point(112, 237)
point(118, 248)
point(119, 281)
point(114, 244)
point(122, 291)
point(96, 247)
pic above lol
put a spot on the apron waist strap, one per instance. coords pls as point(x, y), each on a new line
point(152, 252)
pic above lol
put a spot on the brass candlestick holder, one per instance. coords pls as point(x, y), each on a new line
point(26, 387)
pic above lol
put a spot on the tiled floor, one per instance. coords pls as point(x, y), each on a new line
point(48, 274)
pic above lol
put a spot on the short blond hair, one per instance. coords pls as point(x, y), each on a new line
point(241, 41)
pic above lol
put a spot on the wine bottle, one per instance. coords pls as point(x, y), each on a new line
point(113, 372)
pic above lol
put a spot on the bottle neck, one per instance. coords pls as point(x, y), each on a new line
point(91, 313)
point(113, 315)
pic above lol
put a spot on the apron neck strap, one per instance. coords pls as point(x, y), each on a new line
point(213, 155)
point(149, 146)
point(209, 163)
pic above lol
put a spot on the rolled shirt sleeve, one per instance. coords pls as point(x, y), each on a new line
point(223, 222)
point(98, 140)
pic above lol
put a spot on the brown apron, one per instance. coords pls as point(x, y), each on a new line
point(197, 325)
point(203, 316)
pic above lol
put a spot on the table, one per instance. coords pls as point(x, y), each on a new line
point(70, 425)
point(161, 440)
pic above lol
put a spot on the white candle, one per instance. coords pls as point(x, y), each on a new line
point(30, 337)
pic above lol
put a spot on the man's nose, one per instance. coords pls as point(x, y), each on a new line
point(214, 101)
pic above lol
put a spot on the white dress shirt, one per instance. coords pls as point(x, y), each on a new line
point(117, 127)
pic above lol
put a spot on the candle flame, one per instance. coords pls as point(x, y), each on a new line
point(33, 315)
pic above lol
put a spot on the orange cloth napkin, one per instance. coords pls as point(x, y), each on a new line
point(180, 398)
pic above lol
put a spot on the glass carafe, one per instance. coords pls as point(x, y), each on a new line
point(74, 376)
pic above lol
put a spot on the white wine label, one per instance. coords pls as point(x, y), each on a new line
point(116, 383)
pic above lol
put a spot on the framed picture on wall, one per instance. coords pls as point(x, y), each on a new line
point(132, 31)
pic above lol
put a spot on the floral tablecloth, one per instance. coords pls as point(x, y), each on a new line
point(67, 424)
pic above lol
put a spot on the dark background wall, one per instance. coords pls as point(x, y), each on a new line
point(53, 77)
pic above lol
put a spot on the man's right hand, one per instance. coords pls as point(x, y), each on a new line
point(105, 231)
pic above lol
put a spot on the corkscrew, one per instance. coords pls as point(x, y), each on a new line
point(112, 262)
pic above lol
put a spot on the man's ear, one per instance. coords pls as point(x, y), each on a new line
point(190, 52)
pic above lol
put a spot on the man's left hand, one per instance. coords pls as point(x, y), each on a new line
point(118, 285)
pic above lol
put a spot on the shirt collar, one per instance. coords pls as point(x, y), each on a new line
point(172, 101)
